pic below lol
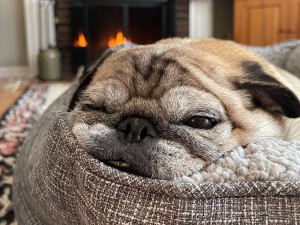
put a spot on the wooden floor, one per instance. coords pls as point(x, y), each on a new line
point(10, 90)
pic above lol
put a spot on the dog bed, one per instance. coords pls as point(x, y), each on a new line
point(65, 185)
point(57, 182)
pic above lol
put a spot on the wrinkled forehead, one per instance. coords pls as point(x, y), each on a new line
point(150, 71)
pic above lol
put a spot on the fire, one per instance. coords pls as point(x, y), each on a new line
point(81, 41)
point(119, 40)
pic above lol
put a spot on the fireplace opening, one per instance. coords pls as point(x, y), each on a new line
point(97, 25)
point(86, 28)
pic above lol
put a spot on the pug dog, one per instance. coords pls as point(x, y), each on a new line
point(169, 109)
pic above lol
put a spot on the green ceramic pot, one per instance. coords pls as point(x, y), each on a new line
point(49, 64)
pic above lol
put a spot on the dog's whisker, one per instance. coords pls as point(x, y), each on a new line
point(65, 107)
point(59, 112)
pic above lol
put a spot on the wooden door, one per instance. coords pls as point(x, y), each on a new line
point(293, 29)
point(260, 22)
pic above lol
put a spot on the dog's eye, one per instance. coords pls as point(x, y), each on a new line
point(94, 107)
point(201, 122)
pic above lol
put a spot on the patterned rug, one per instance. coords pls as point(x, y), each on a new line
point(14, 126)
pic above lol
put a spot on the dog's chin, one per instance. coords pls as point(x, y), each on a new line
point(181, 175)
point(157, 159)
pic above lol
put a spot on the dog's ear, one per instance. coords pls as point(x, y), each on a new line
point(87, 75)
point(267, 92)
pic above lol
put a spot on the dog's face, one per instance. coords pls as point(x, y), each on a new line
point(169, 109)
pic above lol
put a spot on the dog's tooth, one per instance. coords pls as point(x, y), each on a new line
point(119, 164)
point(186, 179)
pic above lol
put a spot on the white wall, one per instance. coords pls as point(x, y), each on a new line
point(201, 18)
point(12, 34)
point(19, 43)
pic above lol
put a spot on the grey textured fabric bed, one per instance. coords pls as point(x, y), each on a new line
point(57, 182)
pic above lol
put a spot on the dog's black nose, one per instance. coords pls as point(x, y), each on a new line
point(136, 129)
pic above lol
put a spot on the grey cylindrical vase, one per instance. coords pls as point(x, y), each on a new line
point(49, 64)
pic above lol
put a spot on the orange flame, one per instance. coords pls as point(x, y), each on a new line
point(80, 41)
point(119, 40)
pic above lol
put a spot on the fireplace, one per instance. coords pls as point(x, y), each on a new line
point(86, 28)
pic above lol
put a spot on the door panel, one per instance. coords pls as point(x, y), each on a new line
point(260, 22)
point(294, 19)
